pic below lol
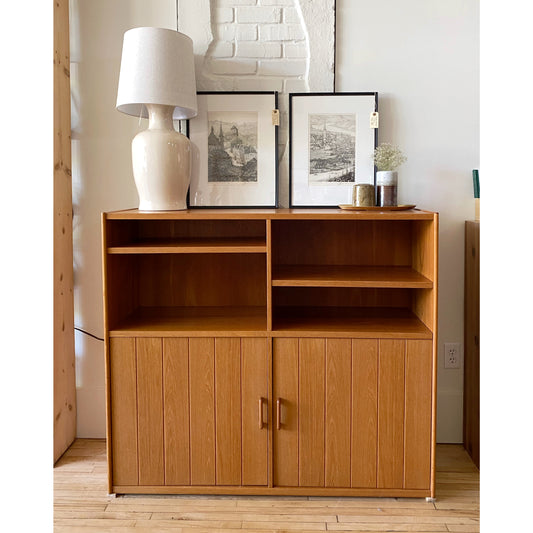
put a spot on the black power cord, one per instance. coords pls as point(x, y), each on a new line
point(89, 334)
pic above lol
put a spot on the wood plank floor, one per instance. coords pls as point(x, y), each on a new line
point(81, 504)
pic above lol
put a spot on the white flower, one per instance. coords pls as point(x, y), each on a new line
point(388, 157)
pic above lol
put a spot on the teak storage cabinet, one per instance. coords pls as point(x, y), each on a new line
point(271, 351)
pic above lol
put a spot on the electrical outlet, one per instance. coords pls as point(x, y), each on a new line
point(453, 355)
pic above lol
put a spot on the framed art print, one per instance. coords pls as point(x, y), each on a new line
point(331, 146)
point(234, 150)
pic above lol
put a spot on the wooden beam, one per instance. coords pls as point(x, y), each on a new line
point(64, 371)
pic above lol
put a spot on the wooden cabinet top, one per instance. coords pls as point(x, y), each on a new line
point(273, 214)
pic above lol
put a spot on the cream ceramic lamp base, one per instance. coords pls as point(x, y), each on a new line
point(161, 160)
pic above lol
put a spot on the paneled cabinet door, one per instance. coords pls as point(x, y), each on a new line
point(189, 411)
point(352, 413)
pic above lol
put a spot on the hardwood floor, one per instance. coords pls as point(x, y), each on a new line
point(81, 504)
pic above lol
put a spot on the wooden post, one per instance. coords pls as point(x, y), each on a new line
point(64, 360)
point(472, 350)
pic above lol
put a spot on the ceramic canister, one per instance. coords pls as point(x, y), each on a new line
point(363, 195)
point(387, 187)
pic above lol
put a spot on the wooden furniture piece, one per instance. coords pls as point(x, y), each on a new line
point(271, 351)
point(471, 372)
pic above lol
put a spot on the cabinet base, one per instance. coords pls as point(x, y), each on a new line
point(275, 491)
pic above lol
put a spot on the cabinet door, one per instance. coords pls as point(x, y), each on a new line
point(352, 413)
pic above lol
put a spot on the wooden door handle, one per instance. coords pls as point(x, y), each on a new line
point(261, 423)
point(278, 413)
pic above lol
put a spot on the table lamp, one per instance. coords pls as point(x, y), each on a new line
point(157, 82)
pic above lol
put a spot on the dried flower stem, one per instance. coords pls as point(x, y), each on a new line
point(388, 157)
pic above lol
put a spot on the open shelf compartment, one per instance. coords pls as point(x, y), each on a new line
point(186, 293)
point(351, 312)
point(185, 236)
point(352, 253)
point(168, 321)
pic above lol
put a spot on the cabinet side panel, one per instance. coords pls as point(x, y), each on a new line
point(228, 410)
point(254, 388)
point(418, 367)
point(150, 410)
point(364, 412)
point(176, 410)
point(338, 411)
point(424, 261)
point(311, 401)
point(285, 383)
point(202, 410)
point(123, 411)
point(471, 344)
point(423, 257)
point(391, 397)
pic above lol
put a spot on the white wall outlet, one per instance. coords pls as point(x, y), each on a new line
point(453, 355)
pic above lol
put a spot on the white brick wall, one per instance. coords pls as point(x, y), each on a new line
point(258, 14)
point(261, 45)
point(267, 36)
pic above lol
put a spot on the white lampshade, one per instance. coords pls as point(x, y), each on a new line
point(157, 68)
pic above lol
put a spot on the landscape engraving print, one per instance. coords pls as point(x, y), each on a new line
point(232, 147)
point(331, 148)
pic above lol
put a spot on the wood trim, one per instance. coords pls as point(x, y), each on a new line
point(270, 214)
point(273, 491)
point(269, 273)
point(107, 360)
point(435, 353)
point(64, 360)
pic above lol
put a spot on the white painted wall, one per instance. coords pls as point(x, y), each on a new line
point(101, 171)
point(423, 59)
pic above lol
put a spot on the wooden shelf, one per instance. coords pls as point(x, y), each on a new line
point(349, 276)
point(190, 246)
point(191, 321)
point(361, 322)
point(271, 214)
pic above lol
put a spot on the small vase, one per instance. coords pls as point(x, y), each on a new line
point(387, 187)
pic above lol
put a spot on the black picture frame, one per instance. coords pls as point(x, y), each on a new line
point(325, 192)
point(220, 194)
